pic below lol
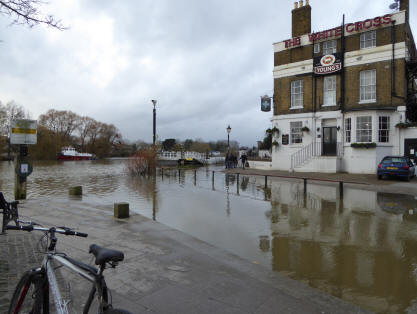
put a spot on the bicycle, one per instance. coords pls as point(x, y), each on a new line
point(32, 292)
point(10, 212)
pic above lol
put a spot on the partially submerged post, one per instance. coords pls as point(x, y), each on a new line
point(22, 133)
point(121, 210)
point(76, 190)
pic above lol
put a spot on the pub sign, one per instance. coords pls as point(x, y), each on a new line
point(285, 139)
point(265, 103)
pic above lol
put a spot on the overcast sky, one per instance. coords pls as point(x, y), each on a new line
point(206, 62)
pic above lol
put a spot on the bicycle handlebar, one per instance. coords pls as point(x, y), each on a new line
point(65, 231)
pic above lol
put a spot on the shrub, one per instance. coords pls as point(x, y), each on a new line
point(143, 162)
point(363, 145)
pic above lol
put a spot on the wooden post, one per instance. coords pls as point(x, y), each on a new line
point(195, 177)
point(212, 181)
point(162, 173)
point(76, 190)
point(121, 210)
point(237, 184)
point(20, 180)
point(266, 182)
point(305, 185)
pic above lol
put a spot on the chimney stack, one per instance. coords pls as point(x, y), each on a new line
point(405, 5)
point(301, 19)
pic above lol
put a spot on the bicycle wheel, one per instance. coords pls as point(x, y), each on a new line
point(28, 295)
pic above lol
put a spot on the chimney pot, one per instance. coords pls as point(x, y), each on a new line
point(301, 3)
point(295, 5)
point(307, 2)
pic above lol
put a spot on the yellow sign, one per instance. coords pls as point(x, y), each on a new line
point(23, 131)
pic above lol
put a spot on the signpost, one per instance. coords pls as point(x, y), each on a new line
point(23, 132)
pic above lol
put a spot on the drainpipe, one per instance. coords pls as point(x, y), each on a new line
point(314, 93)
point(393, 93)
point(342, 89)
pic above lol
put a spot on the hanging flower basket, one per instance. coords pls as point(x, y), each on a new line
point(305, 129)
point(404, 125)
point(363, 145)
point(275, 143)
point(275, 130)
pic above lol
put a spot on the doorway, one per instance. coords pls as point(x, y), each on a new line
point(329, 141)
point(410, 149)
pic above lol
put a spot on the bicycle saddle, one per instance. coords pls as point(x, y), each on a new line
point(104, 255)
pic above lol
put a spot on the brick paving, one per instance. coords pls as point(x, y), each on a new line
point(18, 253)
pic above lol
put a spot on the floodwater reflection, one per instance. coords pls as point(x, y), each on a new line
point(362, 249)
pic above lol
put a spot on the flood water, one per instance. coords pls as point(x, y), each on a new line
point(362, 249)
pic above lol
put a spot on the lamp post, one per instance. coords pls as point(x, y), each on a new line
point(228, 129)
point(154, 121)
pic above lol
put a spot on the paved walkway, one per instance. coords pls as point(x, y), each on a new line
point(362, 181)
point(18, 253)
point(164, 271)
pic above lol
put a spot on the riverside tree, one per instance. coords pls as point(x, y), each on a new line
point(28, 12)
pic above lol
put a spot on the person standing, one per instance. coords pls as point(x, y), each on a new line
point(244, 158)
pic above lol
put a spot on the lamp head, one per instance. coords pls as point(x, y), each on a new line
point(228, 129)
point(154, 102)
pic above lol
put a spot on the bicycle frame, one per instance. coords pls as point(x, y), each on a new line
point(60, 303)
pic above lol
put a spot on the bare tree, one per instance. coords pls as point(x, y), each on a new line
point(62, 123)
point(9, 112)
point(27, 12)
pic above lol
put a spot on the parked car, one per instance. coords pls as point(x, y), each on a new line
point(398, 166)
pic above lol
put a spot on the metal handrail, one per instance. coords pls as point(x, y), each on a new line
point(311, 150)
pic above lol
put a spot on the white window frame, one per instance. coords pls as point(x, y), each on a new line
point(364, 129)
point(316, 47)
point(329, 90)
point(296, 134)
point(348, 130)
point(368, 40)
point(329, 47)
point(367, 86)
point(297, 94)
point(383, 129)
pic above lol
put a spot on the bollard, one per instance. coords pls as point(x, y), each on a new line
point(266, 182)
point(212, 181)
point(237, 184)
point(121, 210)
point(76, 190)
point(305, 185)
point(162, 173)
point(341, 189)
point(195, 177)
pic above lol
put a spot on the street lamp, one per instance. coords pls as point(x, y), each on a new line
point(228, 132)
point(154, 121)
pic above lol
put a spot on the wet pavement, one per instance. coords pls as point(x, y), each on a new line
point(361, 181)
point(165, 270)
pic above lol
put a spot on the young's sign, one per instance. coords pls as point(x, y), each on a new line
point(326, 64)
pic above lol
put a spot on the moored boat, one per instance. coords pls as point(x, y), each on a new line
point(69, 153)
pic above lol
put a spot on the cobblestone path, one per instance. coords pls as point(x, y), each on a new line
point(18, 253)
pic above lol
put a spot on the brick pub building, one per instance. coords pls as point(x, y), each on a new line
point(343, 97)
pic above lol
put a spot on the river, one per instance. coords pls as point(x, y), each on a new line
point(362, 249)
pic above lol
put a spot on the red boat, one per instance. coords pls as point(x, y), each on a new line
point(69, 153)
